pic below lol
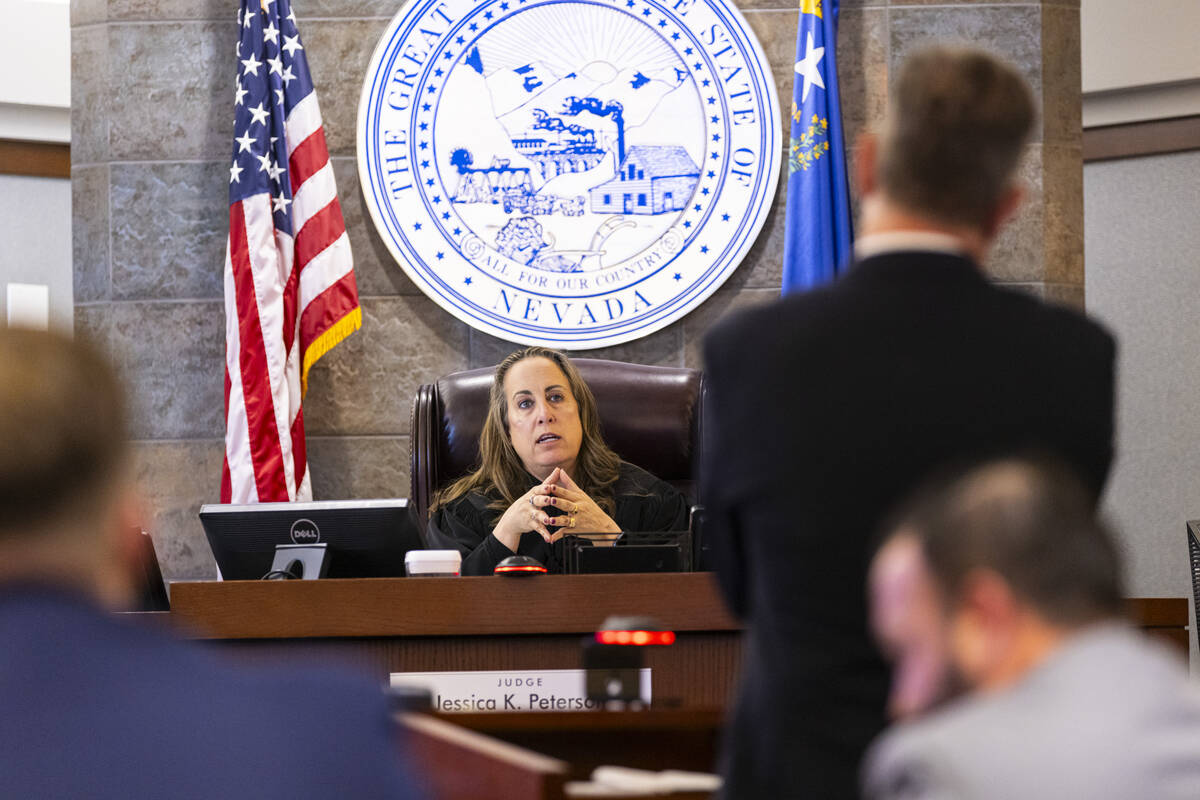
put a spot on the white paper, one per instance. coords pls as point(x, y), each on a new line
point(29, 306)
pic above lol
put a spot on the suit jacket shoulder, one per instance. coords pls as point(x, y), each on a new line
point(1106, 718)
point(133, 713)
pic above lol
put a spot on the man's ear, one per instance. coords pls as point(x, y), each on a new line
point(124, 547)
point(1006, 209)
point(989, 601)
point(984, 619)
point(866, 157)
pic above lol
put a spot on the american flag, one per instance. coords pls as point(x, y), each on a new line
point(290, 294)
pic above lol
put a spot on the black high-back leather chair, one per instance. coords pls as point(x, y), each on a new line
point(649, 415)
point(1193, 535)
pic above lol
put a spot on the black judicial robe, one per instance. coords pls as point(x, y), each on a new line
point(824, 410)
point(643, 503)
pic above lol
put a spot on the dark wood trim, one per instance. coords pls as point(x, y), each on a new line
point(1153, 137)
point(653, 739)
point(543, 604)
point(1158, 612)
point(38, 159)
point(657, 720)
point(461, 764)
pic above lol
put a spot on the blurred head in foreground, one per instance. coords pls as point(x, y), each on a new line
point(983, 575)
point(68, 511)
point(946, 155)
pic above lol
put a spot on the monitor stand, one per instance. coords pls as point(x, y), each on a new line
point(304, 561)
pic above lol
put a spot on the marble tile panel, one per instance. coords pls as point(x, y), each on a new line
point(862, 55)
point(358, 467)
point(1059, 293)
point(1019, 253)
point(776, 32)
point(1062, 213)
point(662, 348)
point(311, 9)
point(366, 384)
point(338, 52)
point(1013, 33)
point(92, 325)
point(89, 95)
point(88, 12)
point(1034, 288)
point(90, 233)
point(1064, 294)
point(169, 227)
point(919, 3)
point(376, 271)
point(172, 356)
point(756, 5)
point(165, 106)
point(154, 10)
point(175, 479)
point(723, 301)
point(1062, 103)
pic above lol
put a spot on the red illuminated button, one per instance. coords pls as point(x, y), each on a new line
point(640, 638)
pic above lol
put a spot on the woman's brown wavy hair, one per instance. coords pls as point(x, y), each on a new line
point(503, 478)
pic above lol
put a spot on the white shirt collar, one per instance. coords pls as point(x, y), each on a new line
point(907, 241)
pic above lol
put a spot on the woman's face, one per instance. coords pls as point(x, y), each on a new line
point(543, 417)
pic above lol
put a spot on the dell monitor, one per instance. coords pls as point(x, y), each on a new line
point(364, 538)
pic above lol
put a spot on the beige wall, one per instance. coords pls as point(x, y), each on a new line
point(1143, 280)
point(1140, 60)
point(1139, 44)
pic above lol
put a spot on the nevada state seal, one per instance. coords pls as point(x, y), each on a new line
point(573, 174)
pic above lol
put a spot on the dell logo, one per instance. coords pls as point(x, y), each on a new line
point(305, 531)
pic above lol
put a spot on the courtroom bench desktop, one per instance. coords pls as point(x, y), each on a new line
point(486, 623)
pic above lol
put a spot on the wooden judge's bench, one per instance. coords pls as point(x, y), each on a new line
point(538, 622)
point(457, 624)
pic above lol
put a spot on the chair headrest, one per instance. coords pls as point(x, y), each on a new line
point(648, 415)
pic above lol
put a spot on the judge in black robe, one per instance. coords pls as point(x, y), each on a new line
point(545, 472)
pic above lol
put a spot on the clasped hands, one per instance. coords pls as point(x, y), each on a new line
point(580, 514)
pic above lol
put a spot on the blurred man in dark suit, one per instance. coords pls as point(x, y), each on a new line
point(95, 707)
point(826, 407)
point(1002, 583)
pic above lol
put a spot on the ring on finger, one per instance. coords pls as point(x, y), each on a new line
point(531, 501)
point(571, 522)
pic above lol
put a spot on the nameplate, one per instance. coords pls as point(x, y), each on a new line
point(503, 690)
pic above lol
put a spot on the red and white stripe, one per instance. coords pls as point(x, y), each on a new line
point(286, 303)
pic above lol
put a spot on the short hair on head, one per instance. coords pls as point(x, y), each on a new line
point(953, 134)
point(1029, 519)
point(62, 428)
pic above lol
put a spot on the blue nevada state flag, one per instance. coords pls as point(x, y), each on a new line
point(818, 234)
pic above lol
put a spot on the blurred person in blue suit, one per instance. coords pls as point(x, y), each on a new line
point(92, 706)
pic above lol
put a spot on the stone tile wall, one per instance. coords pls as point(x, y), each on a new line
point(152, 84)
